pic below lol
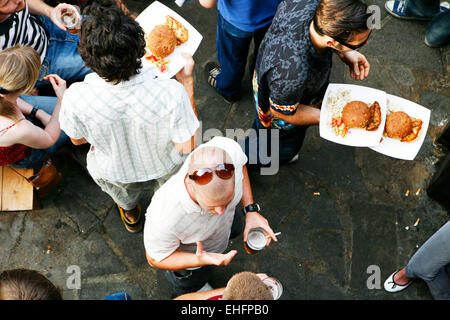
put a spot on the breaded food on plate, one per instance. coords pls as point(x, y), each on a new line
point(180, 31)
point(161, 41)
point(375, 117)
point(356, 114)
point(398, 125)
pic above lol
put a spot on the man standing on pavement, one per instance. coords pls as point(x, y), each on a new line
point(193, 215)
point(293, 68)
point(34, 23)
point(137, 126)
point(238, 22)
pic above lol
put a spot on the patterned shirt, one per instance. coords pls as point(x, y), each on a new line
point(26, 29)
point(132, 125)
point(289, 70)
point(175, 222)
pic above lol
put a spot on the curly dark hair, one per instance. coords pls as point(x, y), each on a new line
point(111, 42)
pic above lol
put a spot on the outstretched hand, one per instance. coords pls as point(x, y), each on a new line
point(188, 69)
point(58, 84)
point(357, 63)
point(211, 258)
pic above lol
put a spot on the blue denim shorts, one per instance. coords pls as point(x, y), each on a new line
point(62, 56)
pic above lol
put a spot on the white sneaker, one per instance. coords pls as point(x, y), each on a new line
point(391, 286)
point(206, 287)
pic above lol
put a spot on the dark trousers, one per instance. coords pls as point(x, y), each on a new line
point(427, 8)
point(232, 46)
point(438, 30)
point(270, 147)
point(186, 281)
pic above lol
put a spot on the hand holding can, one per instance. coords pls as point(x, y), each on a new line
point(71, 19)
point(256, 240)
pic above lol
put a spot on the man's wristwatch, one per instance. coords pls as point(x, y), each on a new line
point(251, 207)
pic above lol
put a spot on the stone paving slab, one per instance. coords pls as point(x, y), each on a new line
point(328, 240)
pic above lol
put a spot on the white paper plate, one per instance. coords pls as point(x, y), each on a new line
point(355, 137)
point(154, 15)
point(405, 150)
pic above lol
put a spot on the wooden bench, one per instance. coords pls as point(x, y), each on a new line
point(16, 194)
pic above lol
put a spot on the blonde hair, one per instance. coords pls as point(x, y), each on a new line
point(8, 109)
point(19, 69)
point(246, 286)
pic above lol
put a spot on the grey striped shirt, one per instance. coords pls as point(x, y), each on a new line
point(132, 125)
point(26, 29)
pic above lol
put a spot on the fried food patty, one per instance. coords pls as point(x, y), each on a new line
point(180, 31)
point(375, 117)
point(356, 114)
point(398, 125)
point(161, 41)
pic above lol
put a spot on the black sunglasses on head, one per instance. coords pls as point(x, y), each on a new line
point(351, 46)
point(4, 91)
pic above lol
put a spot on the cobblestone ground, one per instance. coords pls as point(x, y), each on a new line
point(327, 242)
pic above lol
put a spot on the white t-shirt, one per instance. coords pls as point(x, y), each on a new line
point(175, 222)
point(132, 125)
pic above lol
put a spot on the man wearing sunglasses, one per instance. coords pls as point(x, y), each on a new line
point(193, 215)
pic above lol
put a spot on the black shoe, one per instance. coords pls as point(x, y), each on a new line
point(212, 70)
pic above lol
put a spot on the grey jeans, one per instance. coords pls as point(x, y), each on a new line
point(432, 263)
point(126, 195)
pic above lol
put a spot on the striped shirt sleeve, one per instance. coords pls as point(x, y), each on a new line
point(69, 121)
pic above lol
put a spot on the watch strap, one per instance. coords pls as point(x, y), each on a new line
point(251, 207)
point(33, 112)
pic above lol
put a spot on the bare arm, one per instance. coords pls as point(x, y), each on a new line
point(187, 146)
point(208, 3)
point(39, 7)
point(32, 136)
point(186, 78)
point(305, 115)
point(177, 261)
point(202, 295)
point(180, 260)
point(26, 109)
point(247, 195)
point(253, 219)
